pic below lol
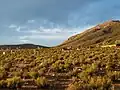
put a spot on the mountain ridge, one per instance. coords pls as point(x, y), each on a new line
point(21, 46)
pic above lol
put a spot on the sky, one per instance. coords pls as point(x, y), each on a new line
point(50, 22)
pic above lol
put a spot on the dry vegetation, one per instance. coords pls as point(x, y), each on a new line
point(86, 68)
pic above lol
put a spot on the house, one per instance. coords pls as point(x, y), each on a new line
point(97, 27)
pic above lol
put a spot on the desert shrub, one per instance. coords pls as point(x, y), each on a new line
point(32, 64)
point(3, 73)
point(3, 84)
point(42, 71)
point(13, 82)
point(25, 75)
point(17, 74)
point(58, 66)
point(7, 66)
point(99, 83)
point(41, 82)
point(67, 65)
point(75, 86)
point(33, 74)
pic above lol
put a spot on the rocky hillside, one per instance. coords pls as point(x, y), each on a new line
point(102, 34)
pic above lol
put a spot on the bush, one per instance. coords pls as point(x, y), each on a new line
point(3, 73)
point(17, 74)
point(33, 75)
point(74, 86)
point(41, 82)
point(14, 82)
point(2, 83)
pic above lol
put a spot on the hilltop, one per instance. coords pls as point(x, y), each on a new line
point(101, 34)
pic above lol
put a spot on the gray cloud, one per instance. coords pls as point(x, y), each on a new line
point(56, 11)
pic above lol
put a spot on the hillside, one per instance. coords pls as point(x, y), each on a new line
point(102, 34)
point(21, 46)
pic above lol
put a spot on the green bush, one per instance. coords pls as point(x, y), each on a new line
point(13, 82)
point(41, 82)
point(33, 75)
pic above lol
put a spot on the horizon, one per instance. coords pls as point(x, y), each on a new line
point(49, 23)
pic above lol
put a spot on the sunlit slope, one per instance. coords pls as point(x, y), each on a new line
point(102, 34)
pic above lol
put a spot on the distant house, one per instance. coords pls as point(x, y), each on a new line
point(97, 27)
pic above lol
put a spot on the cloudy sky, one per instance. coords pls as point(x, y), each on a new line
point(50, 22)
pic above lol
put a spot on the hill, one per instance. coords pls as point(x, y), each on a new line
point(102, 34)
point(21, 46)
